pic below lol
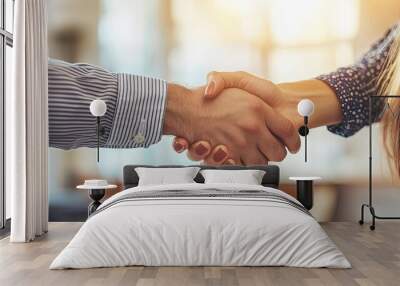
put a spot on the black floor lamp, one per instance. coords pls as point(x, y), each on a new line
point(370, 201)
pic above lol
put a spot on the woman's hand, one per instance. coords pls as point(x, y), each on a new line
point(251, 130)
point(216, 83)
point(201, 150)
point(266, 91)
point(283, 98)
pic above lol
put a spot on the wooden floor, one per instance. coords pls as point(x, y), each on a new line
point(375, 257)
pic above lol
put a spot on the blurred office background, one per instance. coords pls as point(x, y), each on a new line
point(182, 40)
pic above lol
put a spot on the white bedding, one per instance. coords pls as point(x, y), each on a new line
point(200, 231)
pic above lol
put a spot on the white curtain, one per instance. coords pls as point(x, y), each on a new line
point(27, 123)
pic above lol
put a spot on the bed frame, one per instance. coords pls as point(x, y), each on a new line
point(270, 179)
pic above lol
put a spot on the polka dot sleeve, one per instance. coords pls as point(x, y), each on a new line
point(354, 84)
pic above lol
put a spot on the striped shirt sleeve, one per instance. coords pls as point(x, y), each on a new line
point(135, 107)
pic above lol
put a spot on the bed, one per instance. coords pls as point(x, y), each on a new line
point(198, 224)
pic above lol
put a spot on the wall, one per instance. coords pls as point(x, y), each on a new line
point(183, 40)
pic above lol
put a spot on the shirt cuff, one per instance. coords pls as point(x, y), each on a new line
point(139, 114)
point(353, 104)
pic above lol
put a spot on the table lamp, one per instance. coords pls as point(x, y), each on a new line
point(305, 108)
point(98, 108)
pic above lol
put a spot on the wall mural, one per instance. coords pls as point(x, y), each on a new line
point(122, 43)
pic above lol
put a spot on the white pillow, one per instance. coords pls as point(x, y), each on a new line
point(164, 176)
point(248, 177)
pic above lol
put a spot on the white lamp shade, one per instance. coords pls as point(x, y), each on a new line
point(98, 107)
point(305, 107)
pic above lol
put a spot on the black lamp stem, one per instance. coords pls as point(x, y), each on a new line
point(305, 138)
point(305, 145)
point(98, 139)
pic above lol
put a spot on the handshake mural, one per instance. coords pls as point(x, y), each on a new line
point(236, 119)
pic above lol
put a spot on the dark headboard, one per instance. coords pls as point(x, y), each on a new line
point(271, 177)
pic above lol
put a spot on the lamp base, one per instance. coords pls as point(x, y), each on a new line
point(303, 130)
point(96, 195)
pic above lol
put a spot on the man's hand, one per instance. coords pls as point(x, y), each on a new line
point(283, 98)
point(250, 131)
point(265, 90)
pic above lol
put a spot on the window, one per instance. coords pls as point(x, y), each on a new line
point(6, 43)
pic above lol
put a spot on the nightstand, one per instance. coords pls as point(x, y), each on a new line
point(304, 186)
point(97, 190)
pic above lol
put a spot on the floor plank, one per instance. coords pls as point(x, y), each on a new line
point(375, 257)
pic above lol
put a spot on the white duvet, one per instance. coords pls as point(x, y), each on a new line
point(200, 231)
